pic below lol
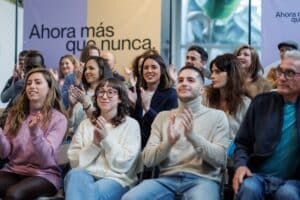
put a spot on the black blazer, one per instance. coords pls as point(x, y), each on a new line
point(165, 99)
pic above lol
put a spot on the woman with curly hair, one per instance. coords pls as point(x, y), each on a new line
point(104, 152)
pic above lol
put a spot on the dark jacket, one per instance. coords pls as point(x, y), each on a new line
point(165, 99)
point(260, 131)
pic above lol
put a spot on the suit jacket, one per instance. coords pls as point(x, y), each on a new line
point(163, 99)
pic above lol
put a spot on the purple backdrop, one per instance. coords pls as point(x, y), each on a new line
point(280, 22)
point(54, 15)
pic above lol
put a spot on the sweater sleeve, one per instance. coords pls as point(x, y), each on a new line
point(69, 80)
point(157, 148)
point(82, 150)
point(122, 154)
point(5, 147)
point(214, 151)
point(12, 91)
point(5, 94)
point(47, 144)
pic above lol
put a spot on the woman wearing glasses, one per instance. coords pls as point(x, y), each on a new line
point(104, 152)
point(81, 103)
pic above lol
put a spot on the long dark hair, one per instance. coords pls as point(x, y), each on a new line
point(85, 54)
point(123, 106)
point(104, 70)
point(165, 81)
point(136, 67)
point(234, 87)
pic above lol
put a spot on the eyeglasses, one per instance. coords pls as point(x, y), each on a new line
point(288, 74)
point(109, 93)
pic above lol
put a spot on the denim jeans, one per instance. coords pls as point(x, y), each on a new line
point(181, 185)
point(81, 185)
point(259, 187)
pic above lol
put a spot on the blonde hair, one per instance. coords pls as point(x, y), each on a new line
point(73, 60)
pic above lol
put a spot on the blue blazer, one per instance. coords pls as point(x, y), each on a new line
point(165, 99)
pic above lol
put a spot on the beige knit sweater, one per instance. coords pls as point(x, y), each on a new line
point(203, 153)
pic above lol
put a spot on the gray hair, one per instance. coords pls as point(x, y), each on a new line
point(294, 54)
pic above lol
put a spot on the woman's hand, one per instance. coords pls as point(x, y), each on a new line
point(54, 73)
point(79, 94)
point(146, 100)
point(35, 120)
point(132, 95)
point(132, 80)
point(172, 72)
point(78, 71)
point(100, 131)
point(72, 98)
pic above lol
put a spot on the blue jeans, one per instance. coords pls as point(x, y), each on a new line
point(81, 185)
point(181, 185)
point(259, 187)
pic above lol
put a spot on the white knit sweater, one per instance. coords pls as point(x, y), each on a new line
point(116, 157)
point(202, 153)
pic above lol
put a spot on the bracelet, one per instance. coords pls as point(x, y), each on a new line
point(87, 107)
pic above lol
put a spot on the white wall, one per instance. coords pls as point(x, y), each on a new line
point(7, 40)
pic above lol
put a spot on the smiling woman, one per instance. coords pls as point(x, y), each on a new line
point(155, 94)
point(95, 70)
point(34, 130)
point(104, 152)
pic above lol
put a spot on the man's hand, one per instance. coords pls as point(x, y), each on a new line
point(187, 122)
point(240, 174)
point(173, 134)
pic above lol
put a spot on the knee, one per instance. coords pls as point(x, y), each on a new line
point(13, 194)
point(141, 191)
point(250, 188)
point(287, 192)
point(74, 174)
point(131, 195)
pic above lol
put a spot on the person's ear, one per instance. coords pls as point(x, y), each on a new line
point(203, 62)
point(202, 89)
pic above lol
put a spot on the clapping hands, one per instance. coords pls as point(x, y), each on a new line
point(35, 120)
point(100, 131)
